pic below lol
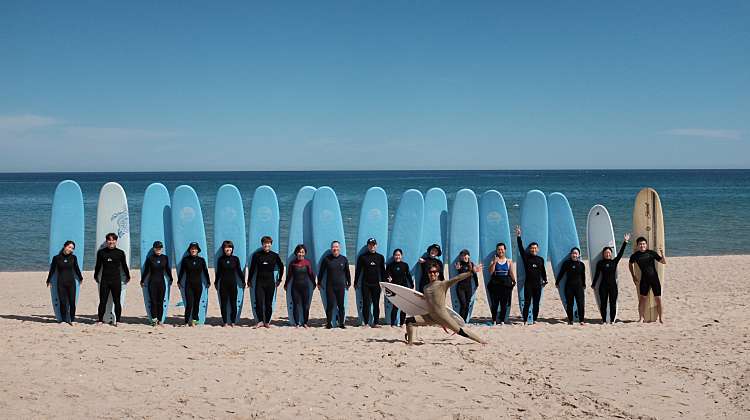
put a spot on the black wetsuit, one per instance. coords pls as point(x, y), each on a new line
point(371, 266)
point(301, 275)
point(465, 288)
point(608, 286)
point(334, 273)
point(265, 264)
point(155, 269)
point(111, 267)
point(500, 287)
point(228, 275)
point(649, 277)
point(424, 278)
point(66, 267)
point(193, 268)
point(399, 274)
point(536, 278)
point(574, 287)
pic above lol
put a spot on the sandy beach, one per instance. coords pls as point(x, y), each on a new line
point(696, 365)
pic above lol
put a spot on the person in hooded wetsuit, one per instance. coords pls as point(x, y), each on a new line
point(65, 266)
point(606, 268)
point(646, 260)
point(193, 267)
point(155, 268)
point(575, 270)
point(300, 275)
point(371, 267)
point(229, 273)
point(536, 277)
point(334, 270)
point(501, 284)
point(397, 272)
point(111, 266)
point(432, 256)
point(265, 262)
point(465, 288)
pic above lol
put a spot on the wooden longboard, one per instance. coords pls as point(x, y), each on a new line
point(648, 221)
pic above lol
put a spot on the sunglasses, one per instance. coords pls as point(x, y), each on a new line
point(433, 272)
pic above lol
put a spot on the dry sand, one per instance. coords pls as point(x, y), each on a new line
point(696, 365)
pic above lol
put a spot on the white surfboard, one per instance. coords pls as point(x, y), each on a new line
point(112, 217)
point(411, 301)
point(599, 233)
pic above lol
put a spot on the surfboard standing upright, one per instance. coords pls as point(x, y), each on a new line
point(648, 221)
point(464, 234)
point(407, 236)
point(373, 223)
point(599, 233)
point(328, 226)
point(112, 217)
point(229, 225)
point(156, 225)
point(562, 238)
point(534, 229)
point(187, 227)
point(300, 232)
point(264, 221)
point(435, 225)
point(493, 229)
point(66, 224)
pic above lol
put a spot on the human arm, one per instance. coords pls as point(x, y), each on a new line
point(563, 270)
point(597, 272)
point(451, 282)
point(124, 266)
point(358, 269)
point(146, 272)
point(168, 269)
point(251, 270)
point(52, 266)
point(347, 273)
point(409, 279)
point(660, 257)
point(512, 272)
point(322, 271)
point(205, 272)
point(97, 266)
point(77, 268)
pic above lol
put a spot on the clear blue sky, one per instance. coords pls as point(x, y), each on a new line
point(178, 85)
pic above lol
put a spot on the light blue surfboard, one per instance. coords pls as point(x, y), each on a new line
point(66, 224)
point(264, 221)
point(407, 235)
point(493, 229)
point(434, 226)
point(373, 223)
point(156, 225)
point(562, 237)
point(534, 229)
point(187, 227)
point(229, 225)
point(300, 232)
point(464, 234)
point(328, 226)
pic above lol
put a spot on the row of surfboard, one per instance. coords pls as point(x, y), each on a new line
point(316, 220)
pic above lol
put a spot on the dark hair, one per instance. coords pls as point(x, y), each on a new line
point(575, 248)
point(194, 245)
point(641, 239)
point(227, 244)
point(111, 235)
point(607, 248)
point(266, 239)
point(66, 244)
point(335, 242)
point(432, 265)
point(464, 252)
point(300, 247)
point(501, 244)
point(398, 250)
point(532, 244)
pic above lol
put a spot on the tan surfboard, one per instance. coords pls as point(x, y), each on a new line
point(648, 221)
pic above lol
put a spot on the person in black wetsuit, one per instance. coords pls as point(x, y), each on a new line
point(465, 288)
point(607, 269)
point(229, 273)
point(193, 267)
point(536, 277)
point(646, 260)
point(371, 266)
point(111, 266)
point(65, 265)
point(155, 268)
point(500, 286)
point(397, 272)
point(574, 268)
point(431, 256)
point(334, 270)
point(265, 262)
point(301, 274)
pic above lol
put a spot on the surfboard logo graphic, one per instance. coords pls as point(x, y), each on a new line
point(389, 293)
point(264, 214)
point(494, 217)
point(326, 216)
point(187, 214)
point(229, 213)
point(374, 214)
point(123, 222)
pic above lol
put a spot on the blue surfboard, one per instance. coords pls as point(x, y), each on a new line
point(187, 227)
point(264, 221)
point(300, 232)
point(66, 224)
point(156, 225)
point(562, 237)
point(435, 225)
point(328, 226)
point(373, 223)
point(534, 229)
point(464, 234)
point(229, 225)
point(407, 235)
point(493, 229)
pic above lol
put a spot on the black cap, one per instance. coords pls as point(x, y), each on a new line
point(372, 241)
point(194, 245)
point(157, 245)
point(437, 247)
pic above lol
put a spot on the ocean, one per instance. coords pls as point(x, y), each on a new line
point(705, 211)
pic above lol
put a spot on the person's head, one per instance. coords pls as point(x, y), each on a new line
point(575, 253)
point(68, 248)
point(533, 248)
point(607, 253)
point(433, 272)
point(194, 249)
point(500, 249)
point(111, 239)
point(398, 255)
point(434, 251)
point(372, 245)
point(335, 248)
point(464, 255)
point(157, 247)
point(227, 247)
point(641, 243)
point(300, 251)
point(266, 242)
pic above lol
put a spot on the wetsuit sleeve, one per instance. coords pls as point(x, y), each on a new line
point(521, 249)
point(182, 269)
point(124, 265)
point(146, 270)
point(544, 272)
point(583, 278)
point(205, 271)
point(655, 254)
point(358, 268)
point(253, 266)
point(280, 264)
point(476, 279)
point(620, 252)
point(597, 272)
point(383, 275)
point(77, 269)
point(288, 274)
point(563, 270)
point(98, 265)
point(347, 273)
point(310, 272)
point(217, 272)
point(322, 269)
point(409, 279)
point(240, 274)
point(632, 258)
point(449, 283)
point(52, 266)
point(168, 269)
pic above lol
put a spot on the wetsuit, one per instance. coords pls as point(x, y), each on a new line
point(500, 291)
point(228, 275)
point(111, 266)
point(424, 278)
point(465, 288)
point(66, 267)
point(576, 282)
point(155, 269)
point(193, 268)
point(265, 264)
point(536, 278)
point(334, 273)
point(399, 274)
point(371, 266)
point(301, 275)
point(649, 277)
point(608, 286)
